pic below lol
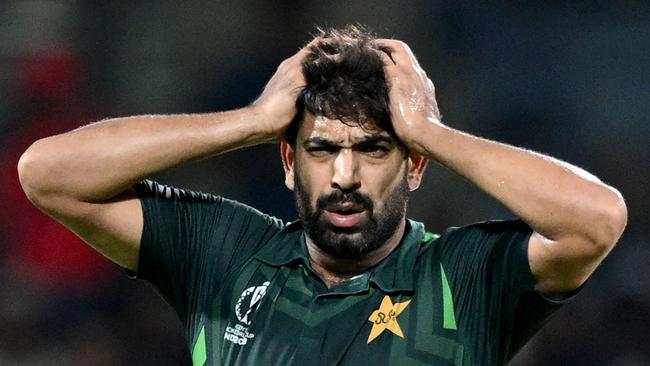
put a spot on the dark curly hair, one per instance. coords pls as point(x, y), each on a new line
point(345, 81)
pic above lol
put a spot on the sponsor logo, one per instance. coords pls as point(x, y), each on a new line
point(246, 305)
point(386, 318)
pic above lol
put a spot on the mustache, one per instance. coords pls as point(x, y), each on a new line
point(338, 197)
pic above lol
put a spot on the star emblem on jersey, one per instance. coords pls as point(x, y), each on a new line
point(386, 318)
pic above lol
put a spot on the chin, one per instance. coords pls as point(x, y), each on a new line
point(345, 245)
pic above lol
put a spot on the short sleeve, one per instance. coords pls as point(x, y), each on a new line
point(191, 240)
point(493, 287)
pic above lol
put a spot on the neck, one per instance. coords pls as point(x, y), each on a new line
point(334, 271)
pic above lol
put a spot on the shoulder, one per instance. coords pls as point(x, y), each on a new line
point(492, 227)
point(151, 189)
point(476, 233)
point(156, 196)
point(489, 247)
point(485, 235)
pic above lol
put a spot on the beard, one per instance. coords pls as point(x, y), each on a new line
point(351, 243)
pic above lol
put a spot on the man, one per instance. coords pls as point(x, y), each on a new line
point(353, 281)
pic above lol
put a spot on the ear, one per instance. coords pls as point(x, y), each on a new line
point(416, 166)
point(288, 156)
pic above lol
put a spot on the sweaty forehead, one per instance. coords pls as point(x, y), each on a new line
point(335, 131)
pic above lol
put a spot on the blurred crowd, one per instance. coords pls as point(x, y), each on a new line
point(571, 80)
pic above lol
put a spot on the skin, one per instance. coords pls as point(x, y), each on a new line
point(334, 156)
point(577, 219)
point(82, 178)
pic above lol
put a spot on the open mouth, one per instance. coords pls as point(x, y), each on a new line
point(345, 215)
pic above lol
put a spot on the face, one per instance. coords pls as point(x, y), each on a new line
point(351, 185)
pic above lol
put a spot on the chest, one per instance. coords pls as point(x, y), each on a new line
point(284, 316)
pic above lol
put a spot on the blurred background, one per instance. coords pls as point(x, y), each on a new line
point(571, 80)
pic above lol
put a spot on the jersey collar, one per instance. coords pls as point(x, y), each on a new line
point(286, 248)
point(393, 274)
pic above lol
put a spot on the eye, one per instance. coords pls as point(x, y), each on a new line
point(373, 150)
point(322, 150)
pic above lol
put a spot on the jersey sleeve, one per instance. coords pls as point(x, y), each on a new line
point(493, 287)
point(191, 240)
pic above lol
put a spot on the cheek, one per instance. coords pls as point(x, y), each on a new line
point(312, 179)
point(383, 182)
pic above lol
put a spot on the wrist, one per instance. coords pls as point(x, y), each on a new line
point(418, 128)
point(265, 126)
point(423, 135)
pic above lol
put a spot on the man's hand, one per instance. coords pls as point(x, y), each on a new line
point(412, 94)
point(577, 219)
point(277, 103)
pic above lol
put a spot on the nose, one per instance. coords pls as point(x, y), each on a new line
point(346, 177)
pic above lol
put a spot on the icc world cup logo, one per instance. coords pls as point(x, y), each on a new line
point(248, 302)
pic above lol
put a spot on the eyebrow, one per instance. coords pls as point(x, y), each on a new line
point(367, 139)
point(374, 139)
point(316, 140)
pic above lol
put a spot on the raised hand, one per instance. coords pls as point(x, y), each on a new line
point(412, 94)
point(277, 103)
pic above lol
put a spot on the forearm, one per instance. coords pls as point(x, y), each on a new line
point(577, 218)
point(555, 198)
point(97, 162)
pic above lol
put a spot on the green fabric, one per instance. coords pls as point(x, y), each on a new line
point(198, 352)
point(428, 236)
point(242, 284)
point(447, 302)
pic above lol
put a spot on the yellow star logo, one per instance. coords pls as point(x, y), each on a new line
point(386, 318)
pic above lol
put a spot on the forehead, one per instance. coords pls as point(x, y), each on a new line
point(336, 131)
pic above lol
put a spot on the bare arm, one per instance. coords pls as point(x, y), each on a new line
point(83, 178)
point(577, 219)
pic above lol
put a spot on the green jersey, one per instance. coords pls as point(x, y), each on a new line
point(242, 284)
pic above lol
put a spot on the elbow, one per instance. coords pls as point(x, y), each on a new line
point(612, 222)
point(32, 172)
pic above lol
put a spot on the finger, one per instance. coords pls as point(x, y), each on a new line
point(314, 42)
point(389, 65)
point(385, 57)
point(390, 70)
point(393, 71)
point(295, 60)
point(393, 48)
point(307, 48)
point(400, 52)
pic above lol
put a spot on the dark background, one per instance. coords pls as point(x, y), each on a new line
point(571, 80)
